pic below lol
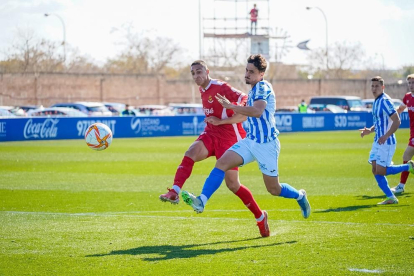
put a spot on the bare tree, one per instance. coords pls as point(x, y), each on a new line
point(343, 57)
point(227, 52)
point(81, 64)
point(31, 54)
point(141, 53)
point(161, 53)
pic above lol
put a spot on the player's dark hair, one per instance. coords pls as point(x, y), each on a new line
point(410, 77)
point(258, 61)
point(200, 62)
point(378, 78)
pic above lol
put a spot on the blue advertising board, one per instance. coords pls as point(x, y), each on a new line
point(294, 122)
point(21, 129)
point(51, 128)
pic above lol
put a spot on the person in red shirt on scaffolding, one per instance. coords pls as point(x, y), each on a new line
point(254, 13)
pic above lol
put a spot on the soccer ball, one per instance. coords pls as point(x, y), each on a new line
point(98, 136)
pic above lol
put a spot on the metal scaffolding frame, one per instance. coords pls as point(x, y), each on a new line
point(231, 35)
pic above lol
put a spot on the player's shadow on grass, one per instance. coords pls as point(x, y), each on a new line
point(346, 209)
point(359, 207)
point(167, 252)
point(364, 197)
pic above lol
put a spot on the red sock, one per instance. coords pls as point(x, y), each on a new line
point(183, 171)
point(246, 196)
point(404, 175)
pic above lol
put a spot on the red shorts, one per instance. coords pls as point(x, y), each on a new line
point(411, 141)
point(216, 146)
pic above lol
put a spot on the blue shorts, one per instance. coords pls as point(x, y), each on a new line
point(382, 154)
point(265, 154)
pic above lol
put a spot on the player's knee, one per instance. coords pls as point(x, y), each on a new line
point(195, 154)
point(275, 191)
point(189, 154)
point(233, 185)
point(221, 164)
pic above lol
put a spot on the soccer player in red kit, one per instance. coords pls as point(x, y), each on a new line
point(408, 101)
point(223, 130)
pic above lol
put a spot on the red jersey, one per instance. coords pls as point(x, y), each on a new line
point(408, 100)
point(213, 108)
point(253, 14)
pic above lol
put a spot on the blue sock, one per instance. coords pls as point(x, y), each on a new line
point(383, 184)
point(288, 191)
point(397, 169)
point(213, 182)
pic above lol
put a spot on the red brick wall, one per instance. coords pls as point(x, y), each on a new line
point(47, 89)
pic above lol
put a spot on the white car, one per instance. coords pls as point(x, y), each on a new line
point(15, 110)
point(115, 108)
point(313, 108)
point(187, 108)
point(349, 103)
point(89, 108)
point(56, 112)
point(4, 113)
point(154, 109)
point(369, 102)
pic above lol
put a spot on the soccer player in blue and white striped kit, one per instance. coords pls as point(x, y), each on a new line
point(261, 144)
point(386, 123)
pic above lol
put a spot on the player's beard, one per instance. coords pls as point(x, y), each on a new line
point(247, 81)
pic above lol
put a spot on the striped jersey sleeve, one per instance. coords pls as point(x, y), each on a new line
point(382, 110)
point(263, 129)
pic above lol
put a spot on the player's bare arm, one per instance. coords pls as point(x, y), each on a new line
point(252, 111)
point(401, 108)
point(366, 131)
point(236, 118)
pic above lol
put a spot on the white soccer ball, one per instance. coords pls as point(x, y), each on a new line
point(98, 136)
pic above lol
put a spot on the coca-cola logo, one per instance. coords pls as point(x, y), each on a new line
point(45, 129)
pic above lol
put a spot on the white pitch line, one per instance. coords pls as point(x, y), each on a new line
point(136, 214)
point(213, 210)
point(365, 270)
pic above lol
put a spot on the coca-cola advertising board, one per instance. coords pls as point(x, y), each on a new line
point(51, 128)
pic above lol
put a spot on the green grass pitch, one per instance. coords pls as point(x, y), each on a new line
point(69, 210)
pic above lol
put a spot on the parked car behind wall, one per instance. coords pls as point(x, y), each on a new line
point(56, 112)
point(186, 108)
point(349, 103)
point(369, 102)
point(89, 108)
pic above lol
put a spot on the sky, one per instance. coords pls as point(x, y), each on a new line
point(383, 27)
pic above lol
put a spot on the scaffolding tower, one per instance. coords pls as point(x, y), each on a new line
point(227, 34)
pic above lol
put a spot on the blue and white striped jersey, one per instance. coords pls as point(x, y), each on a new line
point(382, 109)
point(263, 129)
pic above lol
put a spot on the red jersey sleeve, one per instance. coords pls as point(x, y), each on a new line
point(405, 99)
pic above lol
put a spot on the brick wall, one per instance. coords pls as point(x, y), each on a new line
point(48, 89)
